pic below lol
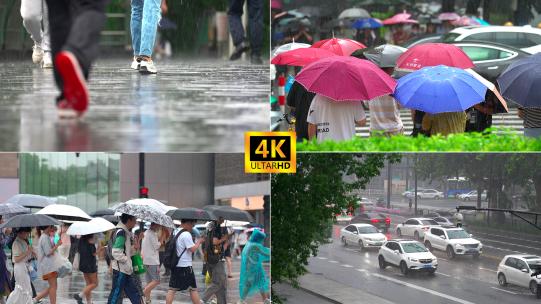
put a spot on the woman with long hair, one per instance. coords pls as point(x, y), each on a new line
point(47, 266)
point(88, 266)
point(21, 253)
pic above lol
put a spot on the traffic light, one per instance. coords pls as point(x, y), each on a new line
point(143, 192)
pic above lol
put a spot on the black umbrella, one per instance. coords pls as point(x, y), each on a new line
point(31, 200)
point(30, 220)
point(102, 212)
point(191, 213)
point(229, 213)
point(111, 218)
point(12, 209)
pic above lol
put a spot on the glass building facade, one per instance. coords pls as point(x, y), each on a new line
point(90, 181)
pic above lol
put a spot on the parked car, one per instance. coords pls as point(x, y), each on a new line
point(411, 192)
point(472, 196)
point(444, 222)
point(407, 255)
point(490, 59)
point(453, 241)
point(376, 219)
point(364, 235)
point(525, 38)
point(416, 227)
point(429, 38)
point(430, 193)
point(517, 270)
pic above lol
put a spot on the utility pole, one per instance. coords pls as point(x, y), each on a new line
point(389, 184)
point(415, 182)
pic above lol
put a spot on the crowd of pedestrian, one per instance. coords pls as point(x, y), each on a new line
point(123, 245)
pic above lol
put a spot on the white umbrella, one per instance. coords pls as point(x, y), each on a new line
point(96, 225)
point(354, 13)
point(149, 202)
point(288, 47)
point(234, 223)
point(65, 213)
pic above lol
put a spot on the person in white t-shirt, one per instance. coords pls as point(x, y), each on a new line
point(183, 277)
point(151, 259)
point(334, 120)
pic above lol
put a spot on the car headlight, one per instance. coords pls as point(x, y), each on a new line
point(413, 260)
point(459, 245)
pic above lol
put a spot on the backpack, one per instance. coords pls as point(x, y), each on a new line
point(212, 253)
point(110, 244)
point(170, 257)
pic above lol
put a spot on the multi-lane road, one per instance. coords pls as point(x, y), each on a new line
point(461, 280)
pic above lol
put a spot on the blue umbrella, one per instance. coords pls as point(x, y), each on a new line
point(481, 21)
point(366, 23)
point(521, 82)
point(439, 89)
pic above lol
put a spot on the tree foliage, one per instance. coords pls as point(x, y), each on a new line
point(304, 203)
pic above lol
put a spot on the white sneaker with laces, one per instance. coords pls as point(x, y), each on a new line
point(47, 62)
point(136, 63)
point(37, 54)
point(147, 67)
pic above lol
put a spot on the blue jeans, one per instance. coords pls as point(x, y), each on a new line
point(127, 284)
point(255, 23)
point(145, 15)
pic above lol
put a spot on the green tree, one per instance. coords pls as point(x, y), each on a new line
point(303, 205)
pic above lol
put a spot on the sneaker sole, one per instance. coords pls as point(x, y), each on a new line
point(236, 56)
point(144, 70)
point(75, 90)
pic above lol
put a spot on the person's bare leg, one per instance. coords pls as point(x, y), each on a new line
point(91, 284)
point(195, 297)
point(42, 294)
point(170, 296)
point(228, 262)
point(149, 288)
point(52, 290)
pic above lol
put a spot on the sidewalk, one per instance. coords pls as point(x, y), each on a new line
point(334, 292)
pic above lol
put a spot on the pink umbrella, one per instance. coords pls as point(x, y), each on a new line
point(339, 46)
point(432, 54)
point(301, 57)
point(398, 19)
point(465, 21)
point(276, 4)
point(344, 78)
point(448, 16)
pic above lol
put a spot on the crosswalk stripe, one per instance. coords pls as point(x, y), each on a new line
point(505, 120)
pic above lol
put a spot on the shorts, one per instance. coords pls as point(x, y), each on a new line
point(182, 279)
point(50, 275)
point(153, 273)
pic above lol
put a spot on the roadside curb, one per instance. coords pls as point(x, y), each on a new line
point(319, 295)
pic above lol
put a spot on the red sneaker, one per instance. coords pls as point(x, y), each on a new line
point(75, 90)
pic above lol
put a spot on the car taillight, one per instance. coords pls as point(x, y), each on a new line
point(374, 221)
point(387, 221)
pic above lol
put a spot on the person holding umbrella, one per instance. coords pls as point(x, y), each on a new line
point(21, 252)
point(151, 259)
point(88, 266)
point(47, 263)
point(216, 268)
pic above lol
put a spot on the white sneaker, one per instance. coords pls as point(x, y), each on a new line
point(47, 62)
point(37, 54)
point(136, 63)
point(147, 67)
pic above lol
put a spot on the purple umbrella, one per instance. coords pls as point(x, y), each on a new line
point(521, 81)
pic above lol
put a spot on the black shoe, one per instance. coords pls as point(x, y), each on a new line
point(239, 49)
point(256, 60)
point(78, 298)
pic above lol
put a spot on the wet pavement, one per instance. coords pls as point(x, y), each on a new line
point(70, 285)
point(188, 106)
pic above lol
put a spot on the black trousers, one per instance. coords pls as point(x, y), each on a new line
point(255, 23)
point(75, 26)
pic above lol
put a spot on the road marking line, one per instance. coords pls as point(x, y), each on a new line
point(487, 269)
point(333, 261)
point(346, 265)
point(433, 292)
point(321, 258)
point(508, 237)
point(503, 290)
point(519, 245)
point(361, 270)
point(443, 274)
point(503, 249)
point(443, 259)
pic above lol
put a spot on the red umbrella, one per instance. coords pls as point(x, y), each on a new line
point(432, 54)
point(339, 46)
point(344, 78)
point(301, 57)
point(399, 18)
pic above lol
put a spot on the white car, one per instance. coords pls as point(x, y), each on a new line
point(366, 205)
point(525, 38)
point(472, 196)
point(517, 270)
point(454, 241)
point(444, 222)
point(416, 227)
point(411, 192)
point(407, 255)
point(364, 235)
point(430, 193)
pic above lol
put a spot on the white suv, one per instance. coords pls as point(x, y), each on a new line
point(517, 270)
point(416, 227)
point(365, 235)
point(525, 38)
point(407, 255)
point(453, 241)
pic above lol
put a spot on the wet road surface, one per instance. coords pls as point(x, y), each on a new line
point(188, 106)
